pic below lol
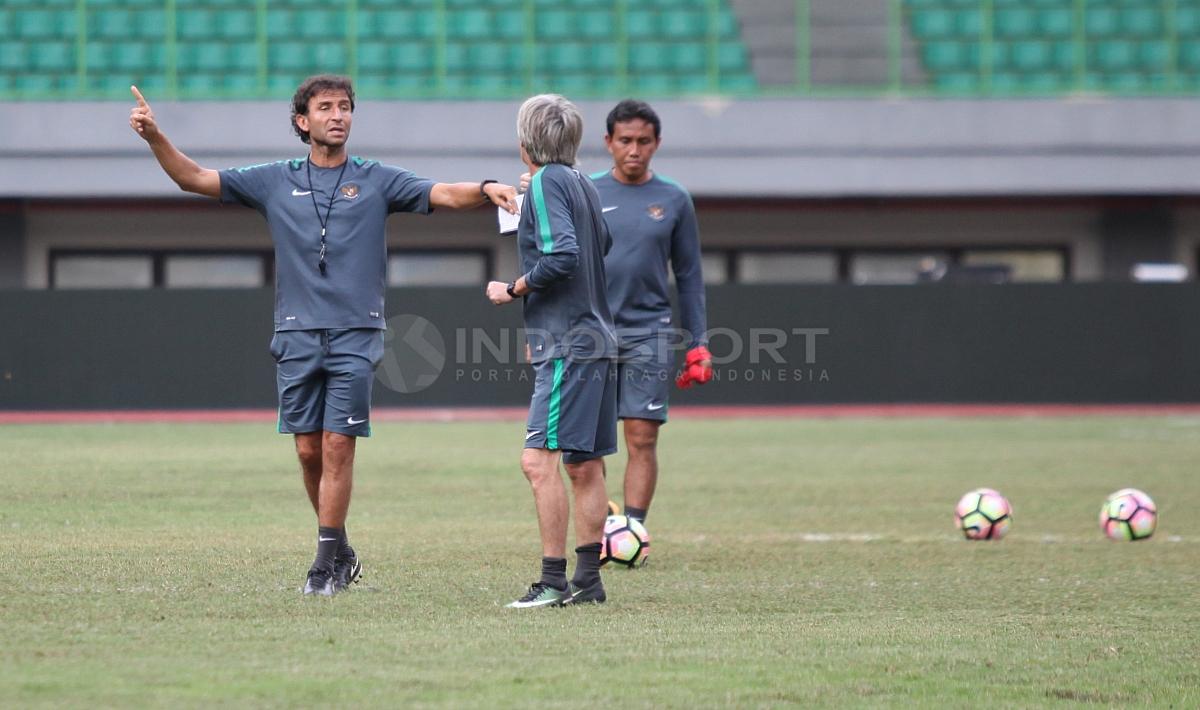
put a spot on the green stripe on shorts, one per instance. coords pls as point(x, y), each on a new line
point(555, 406)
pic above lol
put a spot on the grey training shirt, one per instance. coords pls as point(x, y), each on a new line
point(350, 293)
point(652, 224)
point(561, 241)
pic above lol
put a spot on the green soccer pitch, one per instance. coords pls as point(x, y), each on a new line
point(794, 562)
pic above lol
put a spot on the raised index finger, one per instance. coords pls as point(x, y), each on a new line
point(138, 95)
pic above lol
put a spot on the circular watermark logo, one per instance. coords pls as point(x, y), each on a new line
point(414, 354)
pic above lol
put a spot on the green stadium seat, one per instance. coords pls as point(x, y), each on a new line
point(1154, 56)
point(655, 84)
point(13, 56)
point(1141, 21)
point(1006, 83)
point(44, 24)
point(288, 57)
point(413, 57)
point(1187, 22)
point(509, 26)
point(1102, 21)
point(969, 23)
point(684, 25)
point(99, 56)
point(139, 56)
point(329, 57)
point(150, 24)
point(597, 24)
point(241, 84)
point(933, 24)
point(6, 23)
point(321, 24)
point(693, 84)
point(281, 24)
point(588, 4)
point(282, 84)
point(648, 57)
point(944, 55)
point(1063, 56)
point(469, 24)
point(555, 25)
point(1126, 83)
point(732, 57)
point(196, 24)
point(1031, 56)
point(1189, 56)
point(1113, 55)
point(738, 84)
point(1042, 82)
point(1056, 22)
point(237, 24)
point(36, 84)
point(111, 24)
point(198, 84)
point(243, 56)
point(397, 24)
point(728, 26)
point(641, 24)
point(52, 56)
point(956, 83)
point(201, 57)
point(564, 57)
point(495, 57)
point(688, 57)
point(374, 56)
point(457, 61)
point(1015, 23)
point(605, 57)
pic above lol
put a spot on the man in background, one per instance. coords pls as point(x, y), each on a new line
point(654, 231)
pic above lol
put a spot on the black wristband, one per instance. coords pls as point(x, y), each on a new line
point(484, 184)
point(512, 289)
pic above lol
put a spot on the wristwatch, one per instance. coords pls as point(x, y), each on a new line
point(512, 289)
point(484, 184)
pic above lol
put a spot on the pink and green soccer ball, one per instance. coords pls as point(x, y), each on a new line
point(1128, 514)
point(626, 542)
point(983, 514)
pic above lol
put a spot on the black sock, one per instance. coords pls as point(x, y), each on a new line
point(554, 572)
point(587, 565)
point(638, 514)
point(327, 546)
point(344, 550)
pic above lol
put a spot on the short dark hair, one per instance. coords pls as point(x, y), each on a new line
point(630, 109)
point(312, 86)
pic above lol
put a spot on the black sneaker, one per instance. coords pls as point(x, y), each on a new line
point(320, 583)
point(346, 571)
point(540, 594)
point(593, 594)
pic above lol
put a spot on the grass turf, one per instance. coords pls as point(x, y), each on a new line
point(795, 562)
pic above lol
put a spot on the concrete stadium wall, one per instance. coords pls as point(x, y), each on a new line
point(1091, 343)
point(786, 148)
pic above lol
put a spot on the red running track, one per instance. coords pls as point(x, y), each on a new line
point(488, 414)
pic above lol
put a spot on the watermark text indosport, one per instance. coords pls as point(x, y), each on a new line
point(416, 355)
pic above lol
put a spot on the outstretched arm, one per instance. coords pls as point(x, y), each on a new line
point(464, 195)
point(180, 168)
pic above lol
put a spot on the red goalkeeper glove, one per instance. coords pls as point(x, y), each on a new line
point(697, 368)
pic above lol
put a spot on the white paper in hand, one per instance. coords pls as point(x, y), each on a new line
point(509, 222)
